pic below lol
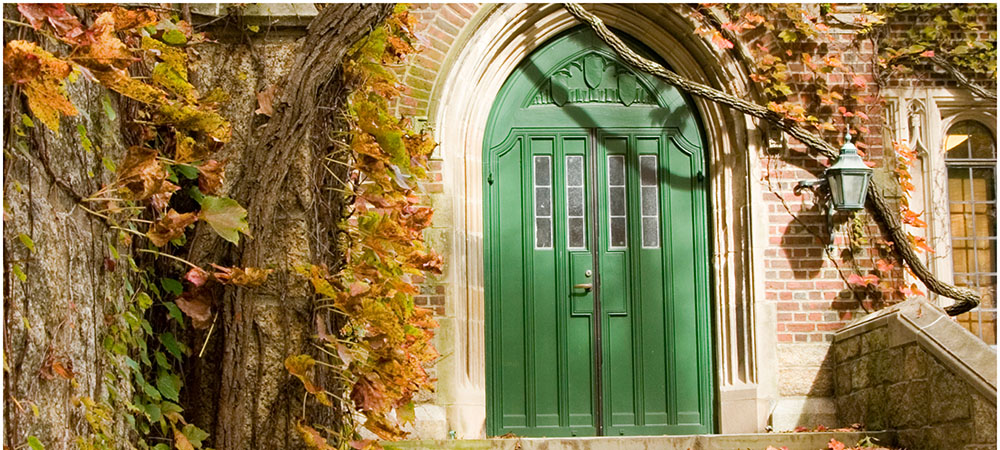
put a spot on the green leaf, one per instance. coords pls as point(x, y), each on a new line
point(150, 391)
point(175, 312)
point(254, 28)
point(169, 385)
point(109, 164)
point(144, 300)
point(189, 172)
point(30, 124)
point(84, 140)
point(35, 444)
point(108, 109)
point(196, 194)
point(27, 242)
point(170, 407)
point(174, 37)
point(172, 286)
point(226, 217)
point(18, 273)
point(788, 35)
point(161, 360)
point(153, 411)
point(170, 342)
point(194, 434)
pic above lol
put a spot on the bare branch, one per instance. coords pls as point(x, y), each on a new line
point(966, 299)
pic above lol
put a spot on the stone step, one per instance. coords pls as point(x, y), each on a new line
point(755, 441)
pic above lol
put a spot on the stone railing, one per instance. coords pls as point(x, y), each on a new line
point(911, 369)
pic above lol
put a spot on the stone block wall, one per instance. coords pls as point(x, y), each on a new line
point(907, 370)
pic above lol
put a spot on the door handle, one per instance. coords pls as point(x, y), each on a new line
point(586, 286)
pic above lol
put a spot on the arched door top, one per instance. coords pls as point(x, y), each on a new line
point(577, 81)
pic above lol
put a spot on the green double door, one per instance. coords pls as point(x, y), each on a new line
point(596, 252)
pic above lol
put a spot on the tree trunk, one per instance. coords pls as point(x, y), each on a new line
point(258, 401)
point(55, 319)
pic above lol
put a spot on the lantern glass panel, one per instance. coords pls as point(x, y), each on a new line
point(853, 185)
point(835, 189)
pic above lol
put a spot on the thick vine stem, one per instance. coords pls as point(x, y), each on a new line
point(965, 299)
point(962, 79)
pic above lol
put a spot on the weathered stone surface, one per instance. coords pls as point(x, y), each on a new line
point(859, 373)
point(915, 363)
point(842, 377)
point(805, 355)
point(809, 381)
point(984, 419)
point(847, 349)
point(875, 340)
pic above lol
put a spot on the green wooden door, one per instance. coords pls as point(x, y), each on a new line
point(596, 251)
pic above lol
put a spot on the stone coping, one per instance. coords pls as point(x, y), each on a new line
point(917, 320)
point(753, 441)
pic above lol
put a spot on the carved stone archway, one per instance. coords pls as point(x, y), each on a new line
point(484, 54)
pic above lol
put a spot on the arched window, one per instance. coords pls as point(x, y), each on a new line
point(971, 159)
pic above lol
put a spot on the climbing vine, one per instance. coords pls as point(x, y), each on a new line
point(810, 77)
point(167, 182)
point(382, 341)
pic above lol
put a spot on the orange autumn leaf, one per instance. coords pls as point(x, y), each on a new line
point(241, 276)
point(40, 74)
point(301, 366)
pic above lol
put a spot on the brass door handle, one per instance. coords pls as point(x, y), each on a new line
point(586, 286)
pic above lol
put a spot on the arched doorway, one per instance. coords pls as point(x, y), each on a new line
point(595, 251)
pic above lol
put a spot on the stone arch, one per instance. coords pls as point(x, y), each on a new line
point(455, 99)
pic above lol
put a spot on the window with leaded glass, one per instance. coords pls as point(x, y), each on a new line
point(970, 157)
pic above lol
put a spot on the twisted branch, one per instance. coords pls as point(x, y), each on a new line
point(965, 299)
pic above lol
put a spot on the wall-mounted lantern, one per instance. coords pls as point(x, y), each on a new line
point(847, 180)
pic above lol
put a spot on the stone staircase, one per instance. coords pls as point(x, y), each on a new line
point(756, 441)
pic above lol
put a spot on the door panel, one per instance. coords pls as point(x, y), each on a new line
point(546, 343)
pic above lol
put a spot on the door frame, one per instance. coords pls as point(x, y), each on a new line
point(485, 51)
point(501, 128)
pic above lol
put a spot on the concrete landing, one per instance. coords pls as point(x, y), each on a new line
point(761, 441)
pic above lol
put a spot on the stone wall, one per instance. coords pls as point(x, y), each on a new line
point(911, 369)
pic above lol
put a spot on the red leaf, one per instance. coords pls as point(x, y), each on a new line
point(66, 25)
point(928, 54)
point(196, 276)
point(884, 266)
point(720, 41)
point(858, 81)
